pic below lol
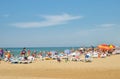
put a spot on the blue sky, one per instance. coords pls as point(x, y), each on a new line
point(51, 23)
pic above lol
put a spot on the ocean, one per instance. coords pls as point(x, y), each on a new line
point(16, 51)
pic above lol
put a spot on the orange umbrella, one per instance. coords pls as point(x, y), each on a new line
point(104, 44)
point(104, 47)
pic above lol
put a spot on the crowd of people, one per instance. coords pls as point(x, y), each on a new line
point(67, 55)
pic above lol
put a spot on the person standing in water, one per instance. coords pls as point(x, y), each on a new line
point(23, 52)
point(28, 52)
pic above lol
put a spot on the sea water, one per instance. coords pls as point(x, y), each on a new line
point(44, 50)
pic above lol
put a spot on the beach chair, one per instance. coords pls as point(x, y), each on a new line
point(31, 58)
point(25, 62)
point(14, 60)
point(95, 55)
point(103, 55)
point(75, 58)
point(5, 59)
point(117, 51)
point(88, 58)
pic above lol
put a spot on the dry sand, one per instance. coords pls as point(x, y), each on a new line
point(100, 68)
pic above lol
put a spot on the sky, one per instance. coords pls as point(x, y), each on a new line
point(59, 23)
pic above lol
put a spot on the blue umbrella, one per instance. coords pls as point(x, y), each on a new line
point(67, 51)
point(53, 52)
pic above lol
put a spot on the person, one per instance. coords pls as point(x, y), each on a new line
point(58, 59)
point(88, 56)
point(23, 52)
point(1, 53)
point(95, 53)
point(49, 54)
point(34, 54)
point(92, 48)
point(40, 56)
point(28, 52)
point(0, 60)
point(7, 56)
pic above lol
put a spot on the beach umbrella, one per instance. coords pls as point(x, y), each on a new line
point(67, 51)
point(112, 46)
point(104, 47)
point(53, 52)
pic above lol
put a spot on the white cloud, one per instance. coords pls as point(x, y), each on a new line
point(98, 35)
point(50, 20)
point(102, 29)
point(107, 25)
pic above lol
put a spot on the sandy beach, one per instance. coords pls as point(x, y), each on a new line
point(100, 68)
